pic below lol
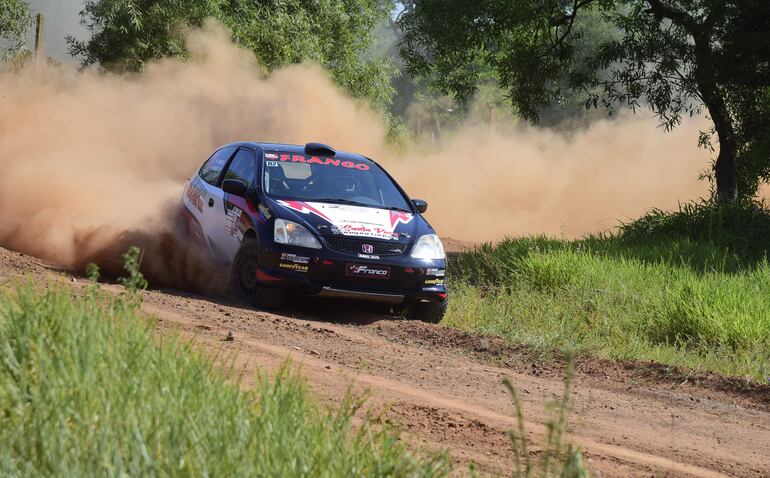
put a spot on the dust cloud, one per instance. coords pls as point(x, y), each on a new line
point(486, 183)
point(93, 161)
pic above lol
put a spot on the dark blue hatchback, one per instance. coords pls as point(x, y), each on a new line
point(308, 219)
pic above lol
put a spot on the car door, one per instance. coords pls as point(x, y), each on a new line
point(211, 214)
point(242, 168)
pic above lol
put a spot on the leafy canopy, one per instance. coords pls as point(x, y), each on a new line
point(673, 56)
point(335, 33)
point(14, 22)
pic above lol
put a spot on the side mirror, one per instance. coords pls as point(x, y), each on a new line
point(235, 187)
point(420, 205)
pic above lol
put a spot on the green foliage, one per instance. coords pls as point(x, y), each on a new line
point(687, 288)
point(135, 281)
point(515, 43)
point(552, 459)
point(752, 108)
point(15, 20)
point(335, 33)
point(737, 233)
point(87, 389)
point(674, 56)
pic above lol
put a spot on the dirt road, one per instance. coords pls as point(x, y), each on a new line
point(444, 387)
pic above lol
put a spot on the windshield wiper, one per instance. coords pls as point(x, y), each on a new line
point(344, 201)
point(356, 203)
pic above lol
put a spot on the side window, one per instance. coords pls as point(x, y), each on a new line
point(212, 168)
point(242, 167)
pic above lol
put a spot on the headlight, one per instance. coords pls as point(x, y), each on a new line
point(293, 234)
point(428, 247)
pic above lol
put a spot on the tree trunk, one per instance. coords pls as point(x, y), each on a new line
point(726, 171)
point(726, 165)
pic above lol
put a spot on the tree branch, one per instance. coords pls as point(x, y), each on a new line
point(677, 15)
point(576, 5)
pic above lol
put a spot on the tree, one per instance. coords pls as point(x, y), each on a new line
point(675, 56)
point(335, 33)
point(15, 20)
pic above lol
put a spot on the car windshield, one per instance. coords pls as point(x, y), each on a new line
point(321, 179)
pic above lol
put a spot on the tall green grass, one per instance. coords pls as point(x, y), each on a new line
point(88, 389)
point(678, 288)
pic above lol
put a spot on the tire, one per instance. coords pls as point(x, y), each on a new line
point(243, 279)
point(430, 312)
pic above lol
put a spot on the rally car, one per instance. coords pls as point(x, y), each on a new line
point(290, 219)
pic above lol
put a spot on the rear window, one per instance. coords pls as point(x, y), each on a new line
point(321, 179)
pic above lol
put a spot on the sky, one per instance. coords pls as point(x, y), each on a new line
point(62, 18)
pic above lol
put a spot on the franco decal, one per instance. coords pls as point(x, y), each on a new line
point(299, 158)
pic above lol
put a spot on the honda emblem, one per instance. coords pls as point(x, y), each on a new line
point(367, 248)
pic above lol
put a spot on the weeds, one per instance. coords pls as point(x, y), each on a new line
point(87, 389)
point(555, 460)
point(683, 288)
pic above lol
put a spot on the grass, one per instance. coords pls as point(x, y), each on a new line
point(88, 389)
point(555, 459)
point(690, 288)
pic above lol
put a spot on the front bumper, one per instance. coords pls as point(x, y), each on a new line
point(334, 274)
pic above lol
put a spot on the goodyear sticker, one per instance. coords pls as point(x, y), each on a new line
point(293, 267)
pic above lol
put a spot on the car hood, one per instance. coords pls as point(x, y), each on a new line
point(356, 221)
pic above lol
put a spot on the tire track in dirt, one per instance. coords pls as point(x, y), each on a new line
point(444, 389)
point(623, 433)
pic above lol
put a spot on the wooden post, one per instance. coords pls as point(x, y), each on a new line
point(39, 39)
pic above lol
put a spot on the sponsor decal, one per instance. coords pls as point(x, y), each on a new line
point(293, 267)
point(369, 256)
point(233, 221)
point(271, 156)
point(362, 230)
point(435, 272)
point(355, 220)
point(194, 194)
point(400, 217)
point(294, 258)
point(304, 208)
point(371, 272)
point(271, 164)
point(434, 282)
point(300, 158)
point(264, 212)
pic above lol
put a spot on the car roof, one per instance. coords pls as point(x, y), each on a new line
point(294, 148)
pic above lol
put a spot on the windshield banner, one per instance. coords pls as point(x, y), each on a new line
point(354, 220)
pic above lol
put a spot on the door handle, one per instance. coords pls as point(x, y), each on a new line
point(211, 202)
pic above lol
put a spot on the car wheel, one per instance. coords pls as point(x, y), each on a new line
point(430, 312)
point(243, 279)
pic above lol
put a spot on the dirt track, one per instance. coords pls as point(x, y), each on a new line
point(444, 387)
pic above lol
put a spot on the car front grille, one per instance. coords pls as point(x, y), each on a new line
point(355, 245)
